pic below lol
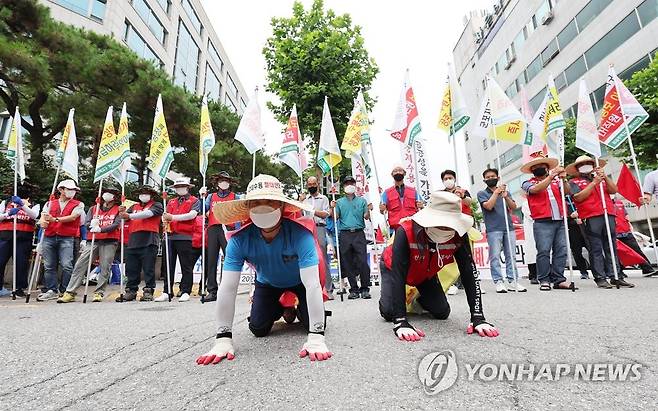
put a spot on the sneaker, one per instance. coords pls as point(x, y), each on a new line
point(289, 315)
point(48, 295)
point(518, 288)
point(66, 298)
point(501, 288)
point(4, 292)
point(622, 283)
point(20, 293)
point(184, 297)
point(147, 295)
point(98, 297)
point(162, 298)
point(212, 296)
point(602, 283)
point(645, 274)
point(584, 276)
point(353, 295)
point(452, 290)
point(534, 281)
point(365, 294)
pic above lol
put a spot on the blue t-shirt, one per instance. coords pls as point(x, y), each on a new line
point(277, 263)
point(494, 219)
point(351, 212)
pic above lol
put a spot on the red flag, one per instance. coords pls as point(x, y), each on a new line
point(628, 186)
point(628, 256)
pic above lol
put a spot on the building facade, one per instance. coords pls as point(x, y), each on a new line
point(522, 42)
point(175, 34)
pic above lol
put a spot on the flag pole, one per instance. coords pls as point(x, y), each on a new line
point(203, 240)
point(613, 253)
point(165, 227)
point(13, 258)
point(454, 146)
point(340, 274)
point(564, 212)
point(253, 166)
point(122, 266)
point(93, 238)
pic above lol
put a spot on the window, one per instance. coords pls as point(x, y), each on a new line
point(535, 102)
point(597, 97)
point(98, 9)
point(243, 104)
point(472, 180)
point(615, 37)
point(639, 65)
point(569, 113)
point(648, 11)
point(520, 80)
point(519, 41)
point(165, 5)
point(590, 11)
point(549, 52)
point(511, 90)
point(560, 82)
point(139, 46)
point(187, 59)
point(511, 155)
point(189, 10)
point(542, 11)
point(214, 55)
point(88, 8)
point(531, 26)
point(533, 69)
point(575, 70)
point(232, 88)
point(213, 88)
point(567, 34)
point(502, 63)
point(150, 19)
point(230, 104)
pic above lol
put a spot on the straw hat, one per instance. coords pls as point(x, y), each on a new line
point(539, 158)
point(147, 189)
point(68, 184)
point(444, 210)
point(572, 169)
point(262, 187)
point(222, 175)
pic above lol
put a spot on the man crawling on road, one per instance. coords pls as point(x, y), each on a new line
point(284, 255)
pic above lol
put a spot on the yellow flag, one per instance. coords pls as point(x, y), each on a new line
point(161, 154)
point(445, 116)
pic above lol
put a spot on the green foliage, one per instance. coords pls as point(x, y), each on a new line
point(571, 152)
point(313, 54)
point(478, 217)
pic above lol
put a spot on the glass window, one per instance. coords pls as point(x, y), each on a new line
point(521, 80)
point(213, 87)
point(537, 99)
point(639, 65)
point(567, 34)
point(531, 26)
point(232, 88)
point(597, 97)
point(533, 69)
point(98, 9)
point(511, 90)
point(648, 11)
point(165, 5)
point(77, 6)
point(549, 52)
point(590, 11)
point(502, 63)
point(187, 59)
point(519, 41)
point(145, 12)
point(542, 11)
point(615, 37)
point(230, 104)
point(511, 155)
point(243, 104)
point(189, 10)
point(139, 46)
point(560, 82)
point(215, 56)
point(575, 70)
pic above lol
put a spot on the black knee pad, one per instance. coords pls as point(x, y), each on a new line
point(260, 331)
point(443, 315)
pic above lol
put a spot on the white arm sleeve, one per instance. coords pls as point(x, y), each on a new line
point(311, 280)
point(140, 215)
point(32, 212)
point(184, 217)
point(228, 290)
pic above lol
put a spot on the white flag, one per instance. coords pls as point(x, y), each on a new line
point(250, 131)
point(292, 151)
point(69, 148)
point(122, 136)
point(423, 181)
point(587, 135)
point(503, 110)
point(328, 151)
point(15, 146)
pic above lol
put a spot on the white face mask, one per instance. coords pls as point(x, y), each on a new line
point(587, 168)
point(351, 189)
point(107, 197)
point(181, 191)
point(69, 193)
point(224, 185)
point(265, 216)
point(144, 198)
point(439, 236)
point(449, 183)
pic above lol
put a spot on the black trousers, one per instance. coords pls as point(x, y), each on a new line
point(137, 260)
point(354, 259)
point(216, 241)
point(630, 241)
point(23, 250)
point(181, 249)
point(578, 241)
point(266, 309)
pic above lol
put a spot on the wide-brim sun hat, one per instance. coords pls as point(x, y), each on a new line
point(146, 189)
point(68, 184)
point(444, 210)
point(539, 158)
point(262, 187)
point(222, 175)
point(182, 182)
point(572, 169)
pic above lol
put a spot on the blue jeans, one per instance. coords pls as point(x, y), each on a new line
point(56, 251)
point(601, 257)
point(549, 236)
point(497, 241)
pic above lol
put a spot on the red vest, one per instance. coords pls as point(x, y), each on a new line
point(151, 224)
point(175, 207)
point(400, 208)
point(214, 199)
point(591, 206)
point(106, 219)
point(23, 221)
point(539, 203)
point(126, 231)
point(196, 236)
point(423, 262)
point(622, 225)
point(70, 229)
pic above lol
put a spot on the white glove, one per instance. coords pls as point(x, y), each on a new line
point(39, 247)
point(95, 222)
point(223, 349)
point(407, 332)
point(203, 191)
point(315, 348)
point(95, 230)
point(83, 243)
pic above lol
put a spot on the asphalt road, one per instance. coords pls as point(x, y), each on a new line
point(141, 355)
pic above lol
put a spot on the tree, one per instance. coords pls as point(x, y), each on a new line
point(314, 54)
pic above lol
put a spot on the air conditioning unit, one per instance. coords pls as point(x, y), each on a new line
point(548, 17)
point(509, 63)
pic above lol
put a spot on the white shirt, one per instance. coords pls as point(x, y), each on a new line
point(319, 203)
